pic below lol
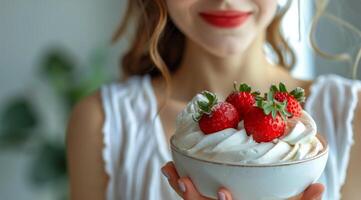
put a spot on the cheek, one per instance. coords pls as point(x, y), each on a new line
point(266, 10)
point(182, 14)
point(180, 11)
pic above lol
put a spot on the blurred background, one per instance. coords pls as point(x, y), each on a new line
point(53, 53)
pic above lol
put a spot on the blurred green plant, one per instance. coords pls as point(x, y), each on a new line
point(17, 119)
point(60, 70)
point(20, 121)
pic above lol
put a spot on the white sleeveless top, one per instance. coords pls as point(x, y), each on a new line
point(135, 147)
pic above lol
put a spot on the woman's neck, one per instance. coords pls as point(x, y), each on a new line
point(201, 70)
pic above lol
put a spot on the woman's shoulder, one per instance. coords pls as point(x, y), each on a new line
point(84, 144)
point(86, 117)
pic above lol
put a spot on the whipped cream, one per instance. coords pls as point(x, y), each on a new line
point(235, 146)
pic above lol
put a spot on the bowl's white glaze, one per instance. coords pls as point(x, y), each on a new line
point(251, 181)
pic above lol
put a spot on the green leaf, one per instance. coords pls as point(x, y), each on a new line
point(49, 165)
point(18, 114)
point(274, 89)
point(58, 68)
point(203, 105)
point(270, 96)
point(209, 95)
point(278, 106)
point(284, 104)
point(259, 103)
point(274, 113)
point(256, 93)
point(212, 98)
point(244, 88)
point(196, 117)
point(287, 113)
point(17, 120)
point(267, 110)
point(282, 87)
point(299, 94)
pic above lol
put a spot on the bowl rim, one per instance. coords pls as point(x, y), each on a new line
point(322, 153)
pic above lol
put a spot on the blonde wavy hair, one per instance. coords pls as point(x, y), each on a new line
point(157, 46)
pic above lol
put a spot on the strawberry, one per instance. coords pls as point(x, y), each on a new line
point(266, 122)
point(242, 99)
point(293, 99)
point(214, 116)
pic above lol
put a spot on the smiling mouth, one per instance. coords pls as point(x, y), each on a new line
point(225, 19)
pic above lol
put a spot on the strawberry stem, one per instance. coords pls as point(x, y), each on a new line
point(269, 105)
point(205, 106)
point(235, 86)
point(299, 94)
point(243, 87)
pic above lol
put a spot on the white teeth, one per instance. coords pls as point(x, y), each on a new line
point(234, 145)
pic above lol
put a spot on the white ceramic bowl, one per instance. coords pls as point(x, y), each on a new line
point(250, 181)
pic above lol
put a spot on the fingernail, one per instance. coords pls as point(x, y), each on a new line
point(165, 173)
point(181, 186)
point(221, 196)
point(318, 197)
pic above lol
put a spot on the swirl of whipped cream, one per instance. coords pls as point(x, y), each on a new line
point(235, 146)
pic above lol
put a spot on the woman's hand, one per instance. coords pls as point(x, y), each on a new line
point(185, 188)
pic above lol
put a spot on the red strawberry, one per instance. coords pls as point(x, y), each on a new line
point(266, 122)
point(242, 99)
point(263, 128)
point(293, 99)
point(215, 116)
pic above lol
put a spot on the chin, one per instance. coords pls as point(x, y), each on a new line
point(228, 47)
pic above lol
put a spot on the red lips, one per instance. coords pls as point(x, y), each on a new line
point(225, 19)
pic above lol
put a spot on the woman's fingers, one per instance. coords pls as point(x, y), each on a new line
point(185, 188)
point(170, 172)
point(191, 193)
point(188, 190)
point(314, 192)
point(224, 194)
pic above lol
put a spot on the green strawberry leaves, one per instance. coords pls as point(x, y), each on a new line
point(268, 103)
point(299, 94)
point(243, 87)
point(271, 106)
point(205, 106)
point(281, 88)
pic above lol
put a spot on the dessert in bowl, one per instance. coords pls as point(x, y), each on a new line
point(257, 147)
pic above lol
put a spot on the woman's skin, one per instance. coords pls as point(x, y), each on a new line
point(214, 58)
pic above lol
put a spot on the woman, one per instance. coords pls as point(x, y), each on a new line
point(116, 149)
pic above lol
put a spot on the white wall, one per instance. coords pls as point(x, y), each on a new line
point(28, 28)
